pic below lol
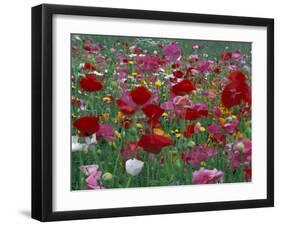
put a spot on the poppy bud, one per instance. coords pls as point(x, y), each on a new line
point(107, 176)
point(240, 147)
point(191, 144)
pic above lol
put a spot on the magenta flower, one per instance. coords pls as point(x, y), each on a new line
point(203, 66)
point(214, 128)
point(217, 112)
point(230, 127)
point(199, 154)
point(172, 52)
point(147, 63)
point(168, 105)
point(205, 176)
point(106, 132)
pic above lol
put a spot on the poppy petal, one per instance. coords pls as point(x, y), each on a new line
point(140, 95)
point(183, 87)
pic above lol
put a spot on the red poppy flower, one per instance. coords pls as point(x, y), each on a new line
point(89, 66)
point(178, 74)
point(237, 76)
point(190, 129)
point(248, 173)
point(217, 70)
point(153, 112)
point(234, 93)
point(193, 114)
point(124, 108)
point(90, 83)
point(91, 76)
point(126, 123)
point(140, 95)
point(196, 111)
point(218, 137)
point(154, 143)
point(189, 73)
point(87, 125)
point(183, 87)
point(226, 56)
point(175, 65)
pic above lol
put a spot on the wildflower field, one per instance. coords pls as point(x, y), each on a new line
point(159, 112)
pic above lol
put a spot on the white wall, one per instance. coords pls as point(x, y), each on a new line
point(15, 116)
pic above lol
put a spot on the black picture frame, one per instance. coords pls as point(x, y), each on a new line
point(42, 111)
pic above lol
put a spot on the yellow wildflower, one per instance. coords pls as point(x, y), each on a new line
point(178, 135)
point(165, 114)
point(105, 116)
point(138, 125)
point(120, 115)
point(239, 135)
point(134, 74)
point(106, 99)
point(117, 134)
point(202, 129)
point(158, 83)
point(143, 81)
point(160, 132)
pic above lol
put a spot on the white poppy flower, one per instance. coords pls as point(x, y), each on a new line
point(134, 166)
point(91, 140)
point(78, 147)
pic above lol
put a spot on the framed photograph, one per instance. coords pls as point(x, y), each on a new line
point(145, 112)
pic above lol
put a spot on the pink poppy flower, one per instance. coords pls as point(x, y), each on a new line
point(106, 132)
point(199, 154)
point(92, 181)
point(130, 150)
point(195, 46)
point(230, 127)
point(216, 134)
point(172, 52)
point(147, 63)
point(214, 128)
point(89, 169)
point(217, 112)
point(205, 176)
point(93, 176)
point(193, 57)
point(203, 66)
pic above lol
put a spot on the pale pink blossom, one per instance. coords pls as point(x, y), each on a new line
point(206, 176)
